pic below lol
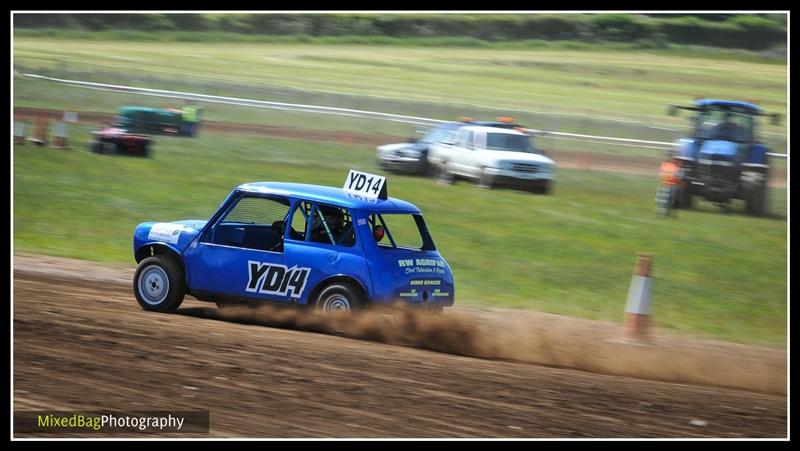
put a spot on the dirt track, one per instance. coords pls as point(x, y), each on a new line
point(83, 343)
point(571, 159)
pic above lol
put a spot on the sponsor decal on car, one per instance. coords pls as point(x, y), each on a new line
point(165, 231)
point(271, 278)
point(422, 265)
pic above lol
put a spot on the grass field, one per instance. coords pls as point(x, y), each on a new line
point(716, 274)
point(621, 84)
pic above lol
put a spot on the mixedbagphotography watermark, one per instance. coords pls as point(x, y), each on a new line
point(100, 422)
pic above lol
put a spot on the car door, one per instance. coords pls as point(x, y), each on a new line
point(241, 254)
point(472, 157)
point(461, 153)
point(320, 243)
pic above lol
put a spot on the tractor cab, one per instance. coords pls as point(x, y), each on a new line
point(723, 130)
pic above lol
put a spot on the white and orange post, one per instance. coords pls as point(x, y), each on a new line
point(637, 310)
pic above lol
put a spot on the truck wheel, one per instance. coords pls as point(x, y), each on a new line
point(486, 180)
point(756, 201)
point(339, 299)
point(96, 147)
point(445, 176)
point(146, 151)
point(543, 188)
point(159, 284)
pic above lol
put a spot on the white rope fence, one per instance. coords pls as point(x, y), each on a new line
point(343, 112)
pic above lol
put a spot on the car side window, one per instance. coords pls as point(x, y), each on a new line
point(323, 224)
point(302, 210)
point(253, 223)
point(465, 140)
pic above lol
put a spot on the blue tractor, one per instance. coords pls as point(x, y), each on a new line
point(721, 160)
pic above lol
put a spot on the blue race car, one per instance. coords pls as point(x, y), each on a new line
point(335, 249)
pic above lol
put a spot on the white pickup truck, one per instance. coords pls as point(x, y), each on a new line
point(493, 156)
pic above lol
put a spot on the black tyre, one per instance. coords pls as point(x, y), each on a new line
point(756, 201)
point(146, 151)
point(445, 176)
point(683, 197)
point(159, 284)
point(339, 299)
point(96, 147)
point(486, 180)
point(665, 199)
point(543, 188)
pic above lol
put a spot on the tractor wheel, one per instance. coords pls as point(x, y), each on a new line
point(665, 199)
point(756, 200)
point(683, 197)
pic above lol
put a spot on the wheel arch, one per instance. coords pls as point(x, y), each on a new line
point(339, 278)
point(153, 249)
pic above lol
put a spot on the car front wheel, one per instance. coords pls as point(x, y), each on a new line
point(158, 284)
point(486, 180)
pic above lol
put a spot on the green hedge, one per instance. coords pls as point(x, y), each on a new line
point(753, 32)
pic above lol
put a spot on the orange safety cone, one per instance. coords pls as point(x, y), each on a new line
point(19, 132)
point(637, 310)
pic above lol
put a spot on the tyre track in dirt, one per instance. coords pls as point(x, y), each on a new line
point(81, 343)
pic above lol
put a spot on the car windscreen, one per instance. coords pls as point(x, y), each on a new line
point(400, 231)
point(437, 135)
point(509, 142)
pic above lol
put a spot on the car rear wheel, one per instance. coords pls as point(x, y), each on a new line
point(541, 188)
point(339, 299)
point(445, 176)
point(158, 284)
